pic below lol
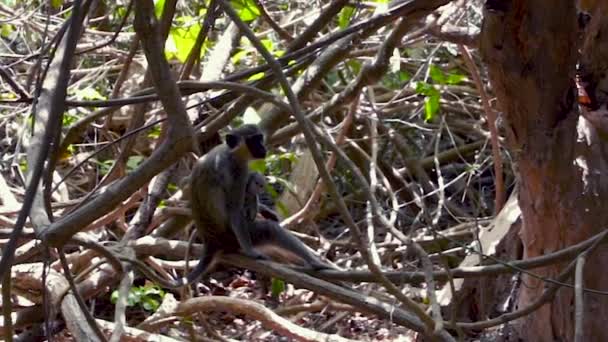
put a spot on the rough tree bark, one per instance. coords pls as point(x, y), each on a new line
point(531, 50)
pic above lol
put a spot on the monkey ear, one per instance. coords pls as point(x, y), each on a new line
point(232, 140)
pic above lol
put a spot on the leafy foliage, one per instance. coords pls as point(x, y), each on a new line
point(148, 297)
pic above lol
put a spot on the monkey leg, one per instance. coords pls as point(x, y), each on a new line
point(267, 232)
point(205, 263)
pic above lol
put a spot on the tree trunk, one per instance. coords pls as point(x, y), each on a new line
point(531, 51)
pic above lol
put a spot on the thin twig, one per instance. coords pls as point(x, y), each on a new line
point(579, 299)
point(499, 200)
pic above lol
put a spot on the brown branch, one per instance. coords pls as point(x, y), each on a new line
point(17, 88)
point(267, 317)
point(179, 137)
point(341, 294)
point(393, 39)
point(456, 35)
point(499, 200)
point(547, 295)
point(579, 299)
point(276, 27)
point(311, 206)
point(195, 52)
point(50, 112)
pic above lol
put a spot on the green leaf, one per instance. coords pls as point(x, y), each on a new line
point(23, 165)
point(56, 4)
point(6, 30)
point(455, 78)
point(88, 93)
point(154, 132)
point(268, 44)
point(354, 65)
point(69, 118)
point(246, 9)
point(437, 75)
point(404, 76)
point(104, 166)
point(133, 162)
point(114, 297)
point(431, 107)
point(239, 56)
point(134, 297)
point(424, 88)
point(158, 8)
point(256, 77)
point(153, 290)
point(120, 11)
point(345, 16)
point(150, 304)
point(258, 166)
point(181, 39)
point(277, 287)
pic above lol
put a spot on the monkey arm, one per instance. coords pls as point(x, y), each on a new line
point(268, 213)
point(240, 228)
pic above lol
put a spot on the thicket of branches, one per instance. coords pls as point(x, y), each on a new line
point(105, 106)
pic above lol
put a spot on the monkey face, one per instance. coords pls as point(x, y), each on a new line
point(255, 144)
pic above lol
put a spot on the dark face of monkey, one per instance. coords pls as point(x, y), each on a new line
point(256, 146)
point(251, 136)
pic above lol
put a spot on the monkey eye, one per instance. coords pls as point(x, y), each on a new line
point(258, 138)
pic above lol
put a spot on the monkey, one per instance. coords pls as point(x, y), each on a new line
point(252, 206)
point(218, 185)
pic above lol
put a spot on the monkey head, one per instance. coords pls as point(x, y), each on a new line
point(247, 137)
point(256, 183)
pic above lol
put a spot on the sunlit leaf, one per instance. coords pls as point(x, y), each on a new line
point(268, 44)
point(455, 78)
point(182, 38)
point(150, 304)
point(6, 30)
point(424, 88)
point(239, 56)
point(133, 162)
point(158, 8)
point(154, 132)
point(431, 107)
point(56, 4)
point(88, 93)
point(246, 9)
point(258, 166)
point(345, 16)
point(437, 75)
point(256, 77)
